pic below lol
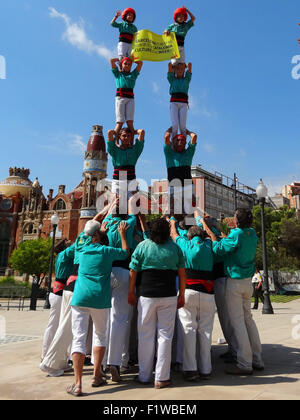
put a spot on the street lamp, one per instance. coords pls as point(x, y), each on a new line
point(262, 192)
point(54, 223)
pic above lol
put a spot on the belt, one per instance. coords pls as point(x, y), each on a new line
point(124, 37)
point(125, 93)
point(58, 286)
point(179, 97)
point(130, 172)
point(180, 40)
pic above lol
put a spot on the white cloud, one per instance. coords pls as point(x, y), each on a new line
point(155, 87)
point(75, 34)
point(208, 147)
point(67, 144)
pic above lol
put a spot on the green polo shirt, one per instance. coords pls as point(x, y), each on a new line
point(113, 234)
point(125, 27)
point(64, 263)
point(179, 85)
point(198, 254)
point(92, 288)
point(151, 256)
point(125, 80)
point(181, 29)
point(175, 159)
point(125, 157)
point(238, 251)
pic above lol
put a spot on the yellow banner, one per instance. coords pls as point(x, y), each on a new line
point(148, 46)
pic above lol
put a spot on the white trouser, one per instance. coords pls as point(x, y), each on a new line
point(197, 319)
point(155, 315)
point(120, 315)
point(57, 354)
point(126, 189)
point(178, 113)
point(80, 326)
point(124, 50)
point(220, 289)
point(238, 297)
point(183, 198)
point(124, 109)
point(53, 322)
point(181, 59)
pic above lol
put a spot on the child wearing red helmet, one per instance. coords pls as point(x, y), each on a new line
point(125, 81)
point(127, 30)
point(179, 80)
point(181, 28)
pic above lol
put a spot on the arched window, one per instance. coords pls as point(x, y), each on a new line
point(28, 229)
point(60, 205)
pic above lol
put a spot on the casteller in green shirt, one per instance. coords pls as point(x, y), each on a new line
point(92, 288)
point(238, 251)
point(125, 157)
point(197, 253)
point(151, 256)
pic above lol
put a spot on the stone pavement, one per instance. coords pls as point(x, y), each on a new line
point(21, 378)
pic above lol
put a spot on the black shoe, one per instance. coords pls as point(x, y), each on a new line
point(254, 307)
point(88, 361)
point(191, 375)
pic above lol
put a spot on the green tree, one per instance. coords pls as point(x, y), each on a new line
point(282, 238)
point(32, 257)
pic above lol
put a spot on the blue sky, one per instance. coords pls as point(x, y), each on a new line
point(244, 103)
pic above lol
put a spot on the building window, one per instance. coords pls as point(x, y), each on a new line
point(60, 205)
point(28, 229)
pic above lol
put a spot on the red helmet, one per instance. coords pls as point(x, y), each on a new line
point(125, 59)
point(126, 11)
point(180, 11)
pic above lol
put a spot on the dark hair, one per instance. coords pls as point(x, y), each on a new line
point(126, 129)
point(159, 231)
point(196, 231)
point(103, 238)
point(244, 218)
point(60, 246)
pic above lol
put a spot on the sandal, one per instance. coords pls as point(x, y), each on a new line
point(74, 390)
point(98, 381)
point(161, 384)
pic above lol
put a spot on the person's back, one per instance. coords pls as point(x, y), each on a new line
point(238, 250)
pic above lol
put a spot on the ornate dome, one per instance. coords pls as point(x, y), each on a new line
point(17, 182)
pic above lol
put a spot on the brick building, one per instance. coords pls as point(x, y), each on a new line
point(25, 212)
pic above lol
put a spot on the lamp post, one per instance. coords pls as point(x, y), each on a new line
point(54, 223)
point(262, 192)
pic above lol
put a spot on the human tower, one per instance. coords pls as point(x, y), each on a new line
point(121, 146)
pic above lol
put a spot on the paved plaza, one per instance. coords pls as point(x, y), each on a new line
point(21, 378)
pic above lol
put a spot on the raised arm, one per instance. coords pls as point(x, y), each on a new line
point(189, 67)
point(193, 18)
point(171, 68)
point(193, 136)
point(113, 62)
point(141, 134)
point(139, 66)
point(111, 135)
point(118, 13)
point(122, 232)
point(173, 229)
point(167, 137)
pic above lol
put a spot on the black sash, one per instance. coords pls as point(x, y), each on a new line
point(158, 283)
point(179, 172)
point(129, 169)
